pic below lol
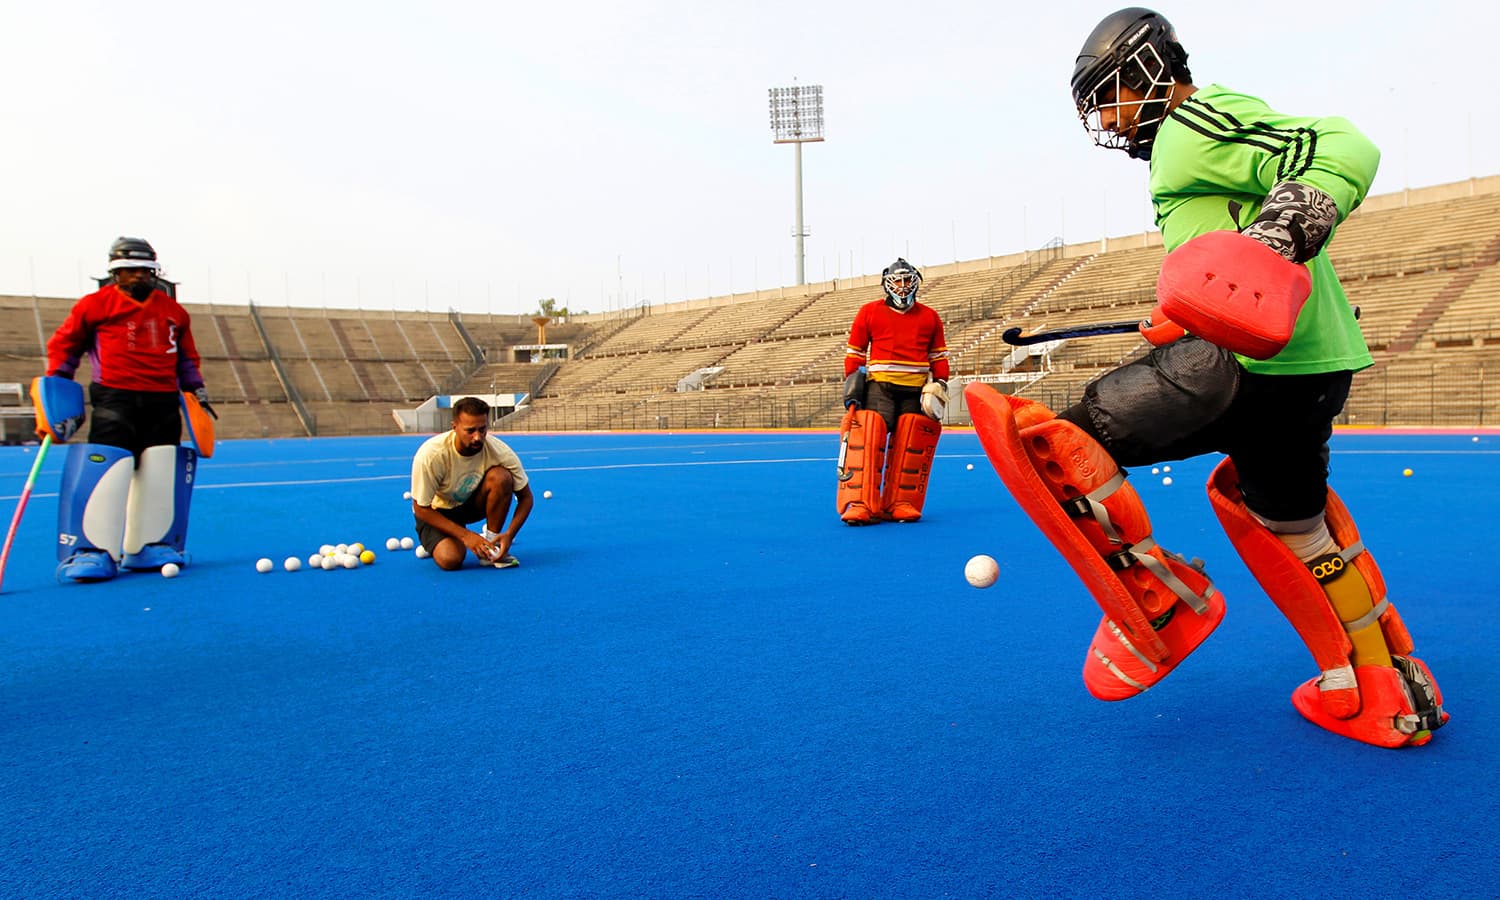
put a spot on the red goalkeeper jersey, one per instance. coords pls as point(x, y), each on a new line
point(133, 345)
point(898, 347)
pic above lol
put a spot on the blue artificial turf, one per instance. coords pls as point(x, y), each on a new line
point(700, 684)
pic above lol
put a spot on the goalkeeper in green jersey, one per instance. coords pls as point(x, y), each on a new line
point(1256, 347)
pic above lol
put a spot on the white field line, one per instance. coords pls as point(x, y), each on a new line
point(403, 476)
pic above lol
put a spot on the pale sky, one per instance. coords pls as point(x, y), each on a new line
point(482, 156)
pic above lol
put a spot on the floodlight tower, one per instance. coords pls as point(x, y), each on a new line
point(797, 118)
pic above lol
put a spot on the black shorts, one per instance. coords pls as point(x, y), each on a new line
point(1191, 397)
point(134, 420)
point(892, 401)
point(466, 513)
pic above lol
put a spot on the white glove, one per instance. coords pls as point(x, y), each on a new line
point(935, 398)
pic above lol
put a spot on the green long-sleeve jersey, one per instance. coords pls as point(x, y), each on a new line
point(1213, 162)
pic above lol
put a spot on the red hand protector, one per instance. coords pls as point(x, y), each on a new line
point(1233, 291)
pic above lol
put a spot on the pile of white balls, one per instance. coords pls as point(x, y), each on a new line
point(338, 556)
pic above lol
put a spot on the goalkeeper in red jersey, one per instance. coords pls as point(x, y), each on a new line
point(896, 388)
point(125, 494)
point(1256, 349)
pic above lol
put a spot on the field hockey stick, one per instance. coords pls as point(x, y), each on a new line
point(15, 521)
point(1015, 338)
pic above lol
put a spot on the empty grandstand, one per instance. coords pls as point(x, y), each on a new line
point(1420, 265)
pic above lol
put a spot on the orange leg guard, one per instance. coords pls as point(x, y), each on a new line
point(861, 457)
point(1370, 687)
point(1157, 606)
point(908, 466)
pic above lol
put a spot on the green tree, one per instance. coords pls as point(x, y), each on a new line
point(548, 307)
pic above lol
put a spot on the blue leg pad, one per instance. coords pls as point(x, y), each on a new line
point(156, 520)
point(91, 510)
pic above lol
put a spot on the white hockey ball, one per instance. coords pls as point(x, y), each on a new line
point(546, 495)
point(981, 571)
point(264, 565)
point(407, 543)
point(170, 570)
point(422, 553)
point(329, 563)
point(291, 564)
point(392, 544)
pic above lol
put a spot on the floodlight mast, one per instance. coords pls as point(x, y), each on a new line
point(797, 118)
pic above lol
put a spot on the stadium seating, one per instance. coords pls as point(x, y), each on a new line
point(1421, 266)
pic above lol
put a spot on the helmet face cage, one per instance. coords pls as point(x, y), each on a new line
point(901, 281)
point(1146, 73)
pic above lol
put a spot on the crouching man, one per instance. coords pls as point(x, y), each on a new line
point(466, 475)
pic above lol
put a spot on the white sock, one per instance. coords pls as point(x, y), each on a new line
point(1309, 545)
point(1308, 538)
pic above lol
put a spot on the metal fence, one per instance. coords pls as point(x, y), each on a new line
point(804, 407)
point(1436, 393)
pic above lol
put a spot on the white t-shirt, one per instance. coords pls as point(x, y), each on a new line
point(443, 478)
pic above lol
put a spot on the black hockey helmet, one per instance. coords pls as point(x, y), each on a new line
point(1137, 48)
point(900, 281)
point(132, 253)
